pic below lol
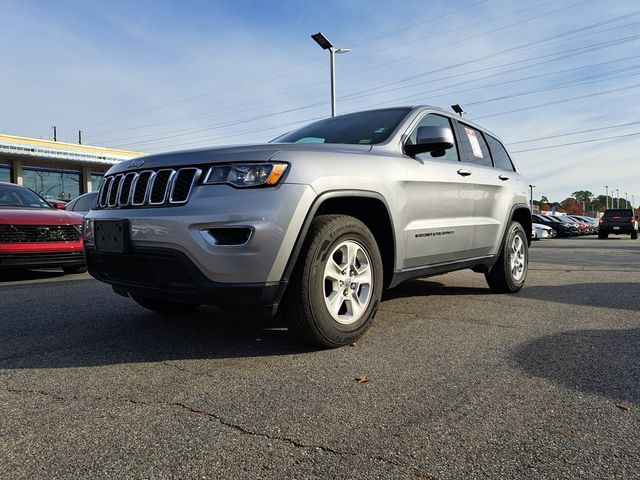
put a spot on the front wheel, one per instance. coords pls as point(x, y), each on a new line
point(510, 270)
point(163, 306)
point(336, 286)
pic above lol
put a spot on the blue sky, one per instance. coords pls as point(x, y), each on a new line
point(157, 75)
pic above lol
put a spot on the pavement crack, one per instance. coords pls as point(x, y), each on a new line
point(220, 420)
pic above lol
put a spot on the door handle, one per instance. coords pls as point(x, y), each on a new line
point(464, 172)
point(503, 177)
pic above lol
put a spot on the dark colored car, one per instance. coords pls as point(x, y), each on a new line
point(562, 229)
point(618, 221)
point(34, 234)
point(83, 203)
point(592, 223)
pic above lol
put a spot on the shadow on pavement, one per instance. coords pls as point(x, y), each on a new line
point(423, 288)
point(119, 332)
point(601, 362)
point(620, 296)
point(14, 275)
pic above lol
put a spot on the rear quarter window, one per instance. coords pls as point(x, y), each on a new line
point(501, 158)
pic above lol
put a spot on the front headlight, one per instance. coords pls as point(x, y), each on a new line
point(246, 174)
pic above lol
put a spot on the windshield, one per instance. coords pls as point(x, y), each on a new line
point(364, 128)
point(14, 196)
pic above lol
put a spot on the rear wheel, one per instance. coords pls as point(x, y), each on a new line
point(336, 287)
point(634, 235)
point(163, 306)
point(602, 235)
point(510, 271)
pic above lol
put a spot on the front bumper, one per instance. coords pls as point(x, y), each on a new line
point(167, 274)
point(37, 260)
point(273, 215)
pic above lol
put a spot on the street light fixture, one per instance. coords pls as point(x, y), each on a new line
point(321, 40)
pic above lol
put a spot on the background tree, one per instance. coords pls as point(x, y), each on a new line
point(583, 196)
point(571, 206)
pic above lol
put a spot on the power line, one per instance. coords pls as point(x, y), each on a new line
point(564, 100)
point(528, 19)
point(602, 139)
point(575, 51)
point(272, 76)
point(549, 137)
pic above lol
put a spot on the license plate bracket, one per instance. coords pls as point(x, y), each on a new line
point(111, 236)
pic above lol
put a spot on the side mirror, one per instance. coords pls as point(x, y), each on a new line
point(430, 139)
point(58, 205)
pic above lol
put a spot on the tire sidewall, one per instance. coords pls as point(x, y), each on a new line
point(515, 229)
point(332, 330)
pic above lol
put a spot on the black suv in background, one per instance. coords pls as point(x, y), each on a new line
point(618, 221)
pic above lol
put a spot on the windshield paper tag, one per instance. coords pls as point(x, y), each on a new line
point(473, 139)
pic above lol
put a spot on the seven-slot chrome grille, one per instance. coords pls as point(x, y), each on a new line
point(154, 188)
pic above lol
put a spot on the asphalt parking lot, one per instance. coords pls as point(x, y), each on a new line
point(461, 383)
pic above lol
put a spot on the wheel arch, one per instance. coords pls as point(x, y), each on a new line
point(369, 207)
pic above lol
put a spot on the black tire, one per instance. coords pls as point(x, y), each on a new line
point(505, 277)
point(305, 307)
point(75, 269)
point(602, 236)
point(163, 306)
point(634, 235)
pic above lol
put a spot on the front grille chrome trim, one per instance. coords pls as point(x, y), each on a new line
point(176, 189)
point(165, 192)
point(196, 176)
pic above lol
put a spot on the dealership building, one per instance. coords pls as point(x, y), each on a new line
point(56, 170)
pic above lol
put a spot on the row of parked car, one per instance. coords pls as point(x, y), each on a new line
point(550, 226)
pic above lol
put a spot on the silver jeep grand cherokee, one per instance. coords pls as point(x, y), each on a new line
point(316, 223)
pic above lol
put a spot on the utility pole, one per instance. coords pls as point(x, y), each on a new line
point(55, 134)
point(531, 187)
point(79, 137)
point(606, 197)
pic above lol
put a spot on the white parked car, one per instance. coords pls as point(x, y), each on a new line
point(539, 231)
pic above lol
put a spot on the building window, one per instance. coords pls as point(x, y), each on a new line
point(5, 173)
point(96, 180)
point(52, 184)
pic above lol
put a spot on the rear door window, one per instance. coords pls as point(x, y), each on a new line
point(474, 147)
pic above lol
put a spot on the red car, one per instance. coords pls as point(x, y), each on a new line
point(34, 234)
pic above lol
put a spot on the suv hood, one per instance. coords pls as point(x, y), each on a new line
point(38, 216)
point(244, 153)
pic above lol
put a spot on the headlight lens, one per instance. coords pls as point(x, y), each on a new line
point(246, 174)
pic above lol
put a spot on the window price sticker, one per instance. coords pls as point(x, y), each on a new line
point(473, 140)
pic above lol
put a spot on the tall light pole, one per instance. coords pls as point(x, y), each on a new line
point(617, 198)
point(633, 201)
point(606, 197)
point(626, 199)
point(531, 187)
point(321, 40)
